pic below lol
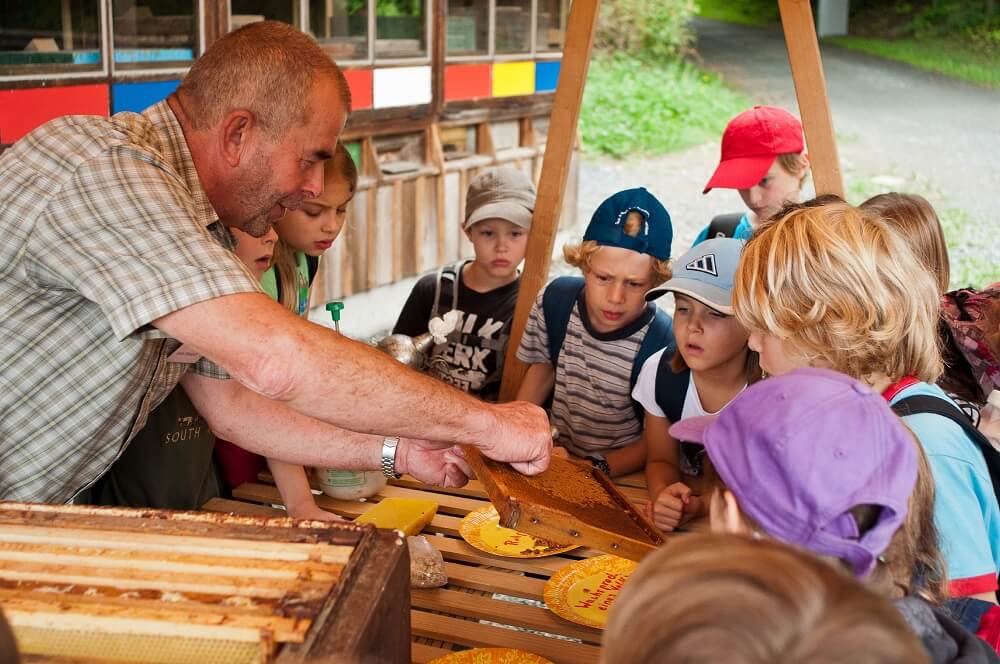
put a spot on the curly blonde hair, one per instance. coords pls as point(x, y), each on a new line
point(843, 290)
point(579, 255)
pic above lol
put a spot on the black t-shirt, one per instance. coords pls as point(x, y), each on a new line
point(472, 359)
point(168, 465)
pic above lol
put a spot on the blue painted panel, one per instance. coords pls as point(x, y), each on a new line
point(546, 75)
point(137, 97)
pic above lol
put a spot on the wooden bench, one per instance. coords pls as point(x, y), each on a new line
point(466, 613)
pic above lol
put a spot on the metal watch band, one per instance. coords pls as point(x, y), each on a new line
point(600, 463)
point(389, 458)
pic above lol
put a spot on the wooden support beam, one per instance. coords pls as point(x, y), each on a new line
point(810, 90)
point(552, 182)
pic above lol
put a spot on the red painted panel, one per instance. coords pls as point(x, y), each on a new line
point(23, 110)
point(467, 82)
point(360, 82)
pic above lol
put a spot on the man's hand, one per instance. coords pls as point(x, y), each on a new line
point(432, 463)
point(521, 436)
point(675, 505)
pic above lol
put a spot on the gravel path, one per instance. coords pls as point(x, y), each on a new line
point(897, 128)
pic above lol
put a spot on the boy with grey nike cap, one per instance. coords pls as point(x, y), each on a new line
point(705, 273)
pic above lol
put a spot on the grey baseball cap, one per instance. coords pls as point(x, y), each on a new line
point(500, 193)
point(705, 273)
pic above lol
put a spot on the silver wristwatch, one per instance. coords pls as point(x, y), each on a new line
point(389, 458)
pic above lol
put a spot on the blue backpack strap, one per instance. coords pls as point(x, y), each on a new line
point(557, 307)
point(659, 336)
point(671, 388)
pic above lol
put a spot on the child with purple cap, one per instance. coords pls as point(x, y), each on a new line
point(818, 460)
point(835, 286)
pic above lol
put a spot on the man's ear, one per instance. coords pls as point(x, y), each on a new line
point(235, 134)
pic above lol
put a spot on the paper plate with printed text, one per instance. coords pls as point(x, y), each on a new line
point(583, 591)
point(481, 528)
point(490, 656)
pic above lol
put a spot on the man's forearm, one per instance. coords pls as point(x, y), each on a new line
point(325, 375)
point(274, 430)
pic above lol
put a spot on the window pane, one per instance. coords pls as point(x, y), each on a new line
point(513, 26)
point(49, 37)
point(468, 27)
point(400, 29)
point(551, 24)
point(251, 11)
point(340, 27)
point(154, 33)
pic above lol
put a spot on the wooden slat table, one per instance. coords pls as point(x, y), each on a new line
point(465, 613)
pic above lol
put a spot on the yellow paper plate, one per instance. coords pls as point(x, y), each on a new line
point(481, 528)
point(582, 592)
point(490, 656)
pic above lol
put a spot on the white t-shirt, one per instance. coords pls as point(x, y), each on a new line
point(645, 391)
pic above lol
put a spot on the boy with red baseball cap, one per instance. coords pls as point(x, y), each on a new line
point(763, 158)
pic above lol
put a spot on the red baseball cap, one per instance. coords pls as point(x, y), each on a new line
point(750, 144)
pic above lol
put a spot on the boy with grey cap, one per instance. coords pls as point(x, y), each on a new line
point(712, 365)
point(498, 210)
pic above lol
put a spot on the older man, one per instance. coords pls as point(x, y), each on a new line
point(117, 282)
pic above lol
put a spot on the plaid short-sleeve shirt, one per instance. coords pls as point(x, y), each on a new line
point(104, 228)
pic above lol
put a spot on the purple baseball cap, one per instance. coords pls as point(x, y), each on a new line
point(800, 450)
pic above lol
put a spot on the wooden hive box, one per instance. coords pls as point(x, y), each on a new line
point(119, 584)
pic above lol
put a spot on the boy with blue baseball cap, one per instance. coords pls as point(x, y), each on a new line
point(587, 337)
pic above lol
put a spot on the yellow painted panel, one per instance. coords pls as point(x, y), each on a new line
point(513, 78)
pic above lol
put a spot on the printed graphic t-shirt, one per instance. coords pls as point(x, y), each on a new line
point(472, 358)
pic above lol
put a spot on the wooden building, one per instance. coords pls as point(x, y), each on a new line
point(441, 89)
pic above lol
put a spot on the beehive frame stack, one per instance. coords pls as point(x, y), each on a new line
point(151, 585)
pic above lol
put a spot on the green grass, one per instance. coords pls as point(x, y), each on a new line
point(635, 107)
point(946, 55)
point(747, 12)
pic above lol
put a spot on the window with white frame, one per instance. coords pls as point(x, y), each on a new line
point(243, 12)
point(483, 29)
point(341, 27)
point(154, 34)
point(48, 38)
point(401, 28)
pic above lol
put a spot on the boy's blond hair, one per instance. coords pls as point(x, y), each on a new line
point(727, 598)
point(579, 255)
point(843, 290)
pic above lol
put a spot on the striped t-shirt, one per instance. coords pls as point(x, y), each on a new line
point(592, 403)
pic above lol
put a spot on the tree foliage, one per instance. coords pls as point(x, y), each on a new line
point(654, 29)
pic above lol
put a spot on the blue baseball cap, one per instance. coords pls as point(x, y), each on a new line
point(607, 226)
point(705, 273)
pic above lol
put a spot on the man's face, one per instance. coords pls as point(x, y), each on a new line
point(287, 169)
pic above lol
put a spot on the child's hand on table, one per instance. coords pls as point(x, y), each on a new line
point(675, 505)
point(314, 512)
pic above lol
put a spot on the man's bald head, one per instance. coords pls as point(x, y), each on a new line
point(268, 68)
